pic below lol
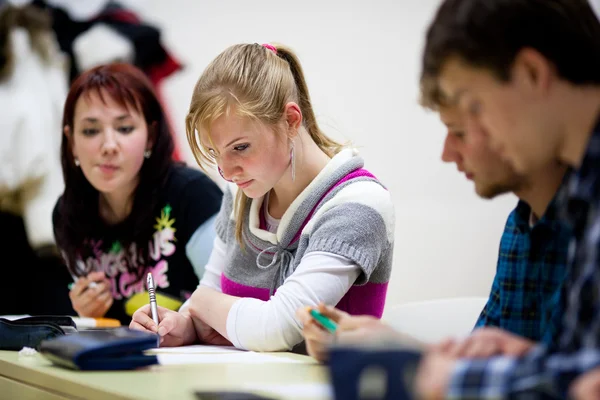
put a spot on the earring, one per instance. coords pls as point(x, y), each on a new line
point(77, 163)
point(147, 154)
point(293, 162)
point(221, 173)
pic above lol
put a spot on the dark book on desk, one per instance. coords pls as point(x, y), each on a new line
point(31, 331)
point(115, 349)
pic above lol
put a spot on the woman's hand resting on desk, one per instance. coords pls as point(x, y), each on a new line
point(208, 335)
point(91, 295)
point(350, 329)
point(198, 309)
point(174, 328)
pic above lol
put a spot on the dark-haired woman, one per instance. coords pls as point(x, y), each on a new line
point(128, 208)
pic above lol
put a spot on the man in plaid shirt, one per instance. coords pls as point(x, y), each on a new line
point(532, 257)
point(529, 72)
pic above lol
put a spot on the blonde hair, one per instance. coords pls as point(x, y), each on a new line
point(256, 82)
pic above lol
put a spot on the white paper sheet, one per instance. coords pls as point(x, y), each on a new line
point(248, 357)
point(196, 349)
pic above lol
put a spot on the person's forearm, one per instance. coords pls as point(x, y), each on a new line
point(211, 307)
point(191, 335)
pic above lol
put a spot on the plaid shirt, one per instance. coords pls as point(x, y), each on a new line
point(531, 269)
point(544, 372)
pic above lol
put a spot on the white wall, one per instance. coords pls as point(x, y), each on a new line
point(362, 61)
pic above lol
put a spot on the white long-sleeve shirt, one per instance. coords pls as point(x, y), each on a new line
point(271, 325)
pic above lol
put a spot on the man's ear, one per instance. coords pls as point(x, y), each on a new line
point(533, 70)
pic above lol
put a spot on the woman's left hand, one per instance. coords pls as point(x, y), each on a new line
point(206, 333)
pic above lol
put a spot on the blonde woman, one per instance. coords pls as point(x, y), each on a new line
point(301, 222)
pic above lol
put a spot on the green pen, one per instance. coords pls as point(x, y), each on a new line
point(323, 320)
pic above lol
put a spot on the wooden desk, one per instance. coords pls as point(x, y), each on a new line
point(35, 378)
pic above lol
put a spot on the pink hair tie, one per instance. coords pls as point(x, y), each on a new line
point(270, 47)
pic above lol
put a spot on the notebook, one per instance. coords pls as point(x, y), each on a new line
point(115, 349)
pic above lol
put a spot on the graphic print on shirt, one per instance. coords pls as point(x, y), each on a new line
point(120, 264)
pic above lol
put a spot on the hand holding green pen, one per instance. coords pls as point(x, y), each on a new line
point(325, 322)
point(323, 325)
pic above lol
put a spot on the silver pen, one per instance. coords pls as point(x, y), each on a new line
point(152, 294)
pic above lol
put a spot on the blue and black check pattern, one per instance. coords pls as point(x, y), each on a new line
point(531, 268)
